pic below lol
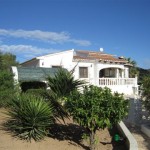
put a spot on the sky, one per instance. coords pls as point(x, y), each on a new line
point(31, 28)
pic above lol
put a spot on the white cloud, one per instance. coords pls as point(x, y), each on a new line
point(26, 52)
point(81, 42)
point(52, 37)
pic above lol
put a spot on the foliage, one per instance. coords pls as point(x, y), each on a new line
point(7, 90)
point(133, 71)
point(37, 92)
point(30, 117)
point(142, 74)
point(96, 108)
point(60, 87)
point(7, 60)
point(146, 92)
point(47, 95)
point(63, 83)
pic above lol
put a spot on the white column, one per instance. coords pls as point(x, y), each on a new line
point(15, 73)
point(136, 79)
point(117, 73)
point(96, 74)
point(127, 72)
point(122, 73)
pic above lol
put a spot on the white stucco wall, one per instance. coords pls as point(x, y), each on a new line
point(125, 89)
point(63, 59)
point(15, 73)
point(102, 66)
point(90, 67)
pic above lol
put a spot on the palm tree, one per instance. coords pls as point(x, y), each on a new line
point(132, 62)
point(63, 83)
point(133, 71)
point(61, 86)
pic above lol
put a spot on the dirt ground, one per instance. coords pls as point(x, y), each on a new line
point(62, 137)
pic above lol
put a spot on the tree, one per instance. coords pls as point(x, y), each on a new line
point(60, 87)
point(133, 71)
point(1, 60)
point(142, 74)
point(146, 92)
point(6, 88)
point(63, 83)
point(96, 108)
point(6, 78)
point(7, 60)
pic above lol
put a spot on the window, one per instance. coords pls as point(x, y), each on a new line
point(110, 72)
point(83, 72)
point(56, 66)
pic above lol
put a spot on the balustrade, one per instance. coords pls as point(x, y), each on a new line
point(117, 81)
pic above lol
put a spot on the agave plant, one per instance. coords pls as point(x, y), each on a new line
point(30, 117)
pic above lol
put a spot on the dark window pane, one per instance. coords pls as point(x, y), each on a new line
point(83, 72)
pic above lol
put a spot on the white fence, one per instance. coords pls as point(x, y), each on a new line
point(117, 81)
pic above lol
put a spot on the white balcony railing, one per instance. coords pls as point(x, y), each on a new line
point(117, 81)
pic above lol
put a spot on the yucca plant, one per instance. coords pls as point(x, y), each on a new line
point(30, 117)
point(49, 96)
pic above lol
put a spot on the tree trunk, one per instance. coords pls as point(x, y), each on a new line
point(92, 140)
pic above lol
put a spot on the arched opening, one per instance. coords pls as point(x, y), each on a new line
point(107, 73)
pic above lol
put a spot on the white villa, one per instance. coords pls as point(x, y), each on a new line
point(97, 68)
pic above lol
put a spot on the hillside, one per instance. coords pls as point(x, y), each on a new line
point(142, 73)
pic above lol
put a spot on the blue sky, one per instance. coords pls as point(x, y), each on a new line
point(30, 28)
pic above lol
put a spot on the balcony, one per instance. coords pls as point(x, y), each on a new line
point(117, 81)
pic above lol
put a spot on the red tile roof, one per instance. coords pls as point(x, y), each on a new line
point(100, 56)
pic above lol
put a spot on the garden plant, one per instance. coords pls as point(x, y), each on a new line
point(96, 108)
point(146, 92)
point(31, 117)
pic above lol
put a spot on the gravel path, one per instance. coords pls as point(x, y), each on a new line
point(142, 140)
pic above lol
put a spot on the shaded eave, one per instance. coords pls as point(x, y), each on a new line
point(35, 73)
point(26, 62)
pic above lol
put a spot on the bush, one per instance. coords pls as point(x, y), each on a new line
point(146, 92)
point(96, 108)
point(30, 117)
point(6, 88)
point(37, 92)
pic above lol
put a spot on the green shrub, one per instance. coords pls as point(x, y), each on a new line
point(37, 92)
point(96, 108)
point(30, 117)
point(6, 88)
point(146, 93)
